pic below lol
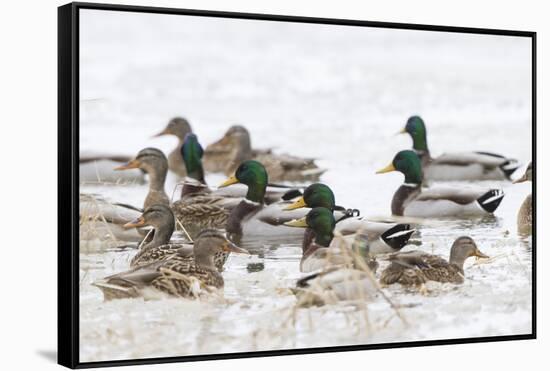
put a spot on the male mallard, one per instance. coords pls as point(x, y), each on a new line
point(228, 153)
point(411, 200)
point(323, 250)
point(179, 127)
point(525, 214)
point(458, 165)
point(384, 237)
point(154, 163)
point(414, 268)
point(251, 216)
point(176, 274)
point(161, 218)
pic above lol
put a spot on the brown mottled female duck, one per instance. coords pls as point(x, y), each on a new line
point(178, 127)
point(161, 218)
point(525, 214)
point(154, 163)
point(176, 275)
point(228, 153)
point(414, 268)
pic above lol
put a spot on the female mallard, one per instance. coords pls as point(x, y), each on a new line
point(458, 165)
point(176, 274)
point(525, 214)
point(322, 250)
point(202, 213)
point(411, 200)
point(251, 216)
point(385, 237)
point(414, 268)
point(178, 127)
point(228, 153)
point(113, 215)
point(162, 220)
point(154, 163)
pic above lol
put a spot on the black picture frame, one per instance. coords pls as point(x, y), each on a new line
point(68, 185)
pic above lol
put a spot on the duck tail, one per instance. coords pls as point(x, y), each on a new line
point(490, 200)
point(509, 167)
point(112, 290)
point(397, 236)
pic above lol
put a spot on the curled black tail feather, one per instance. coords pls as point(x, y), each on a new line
point(397, 236)
point(490, 200)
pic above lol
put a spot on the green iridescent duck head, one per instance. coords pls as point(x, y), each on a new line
point(416, 128)
point(321, 221)
point(316, 195)
point(408, 163)
point(252, 174)
point(192, 152)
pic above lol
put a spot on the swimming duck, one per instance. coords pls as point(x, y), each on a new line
point(321, 250)
point(458, 165)
point(385, 237)
point(335, 284)
point(415, 268)
point(176, 274)
point(178, 127)
point(153, 162)
point(411, 200)
point(228, 153)
point(525, 214)
point(251, 216)
point(161, 218)
point(199, 206)
point(98, 168)
point(103, 220)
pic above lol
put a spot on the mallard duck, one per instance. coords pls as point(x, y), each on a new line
point(95, 167)
point(161, 218)
point(199, 208)
point(178, 127)
point(334, 284)
point(458, 165)
point(228, 153)
point(252, 216)
point(412, 200)
point(154, 163)
point(525, 214)
point(385, 237)
point(176, 274)
point(414, 268)
point(103, 220)
point(321, 250)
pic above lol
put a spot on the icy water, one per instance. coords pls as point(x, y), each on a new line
point(334, 93)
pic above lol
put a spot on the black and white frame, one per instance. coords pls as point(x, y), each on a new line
point(68, 180)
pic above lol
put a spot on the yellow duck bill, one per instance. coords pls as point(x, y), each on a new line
point(387, 169)
point(231, 180)
point(300, 223)
point(298, 204)
point(134, 164)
